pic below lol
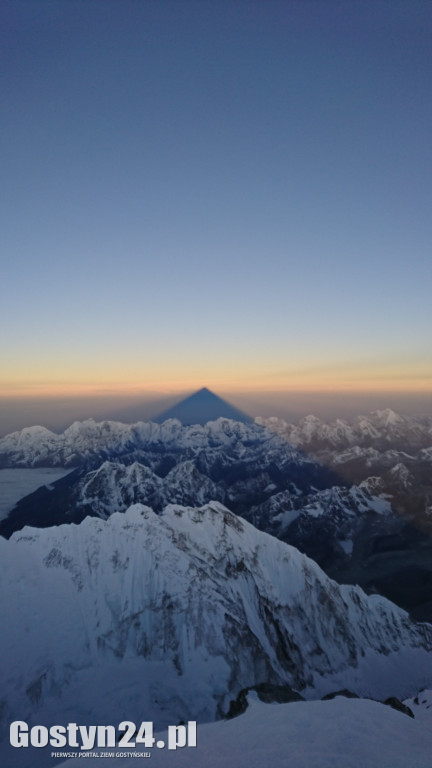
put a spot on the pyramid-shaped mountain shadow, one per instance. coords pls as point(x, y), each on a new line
point(201, 407)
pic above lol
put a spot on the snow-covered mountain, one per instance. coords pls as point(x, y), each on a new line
point(380, 429)
point(239, 464)
point(171, 612)
point(329, 525)
point(364, 446)
point(174, 613)
point(326, 494)
point(114, 487)
point(384, 438)
point(90, 442)
point(326, 523)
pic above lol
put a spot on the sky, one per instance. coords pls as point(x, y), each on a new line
point(232, 194)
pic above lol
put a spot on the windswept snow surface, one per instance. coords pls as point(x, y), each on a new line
point(342, 733)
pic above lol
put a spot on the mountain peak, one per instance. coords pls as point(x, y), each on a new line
point(200, 407)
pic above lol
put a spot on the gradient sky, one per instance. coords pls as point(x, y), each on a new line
point(233, 194)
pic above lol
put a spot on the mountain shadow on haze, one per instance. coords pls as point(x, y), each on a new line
point(200, 407)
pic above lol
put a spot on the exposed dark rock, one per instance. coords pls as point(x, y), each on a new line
point(395, 703)
point(269, 693)
point(344, 692)
point(392, 701)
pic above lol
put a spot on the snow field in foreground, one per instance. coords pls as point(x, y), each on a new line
point(342, 733)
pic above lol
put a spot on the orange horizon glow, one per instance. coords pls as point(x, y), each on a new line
point(223, 369)
point(408, 385)
point(133, 379)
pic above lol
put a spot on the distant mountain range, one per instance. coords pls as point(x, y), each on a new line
point(164, 574)
point(118, 465)
point(355, 496)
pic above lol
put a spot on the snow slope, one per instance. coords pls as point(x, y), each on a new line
point(342, 733)
point(173, 614)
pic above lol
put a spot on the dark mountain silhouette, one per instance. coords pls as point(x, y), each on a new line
point(201, 407)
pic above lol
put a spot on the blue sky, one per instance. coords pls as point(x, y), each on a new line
point(231, 194)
